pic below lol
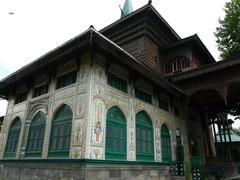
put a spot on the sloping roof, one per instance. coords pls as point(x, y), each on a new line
point(234, 136)
point(147, 7)
point(87, 40)
point(195, 40)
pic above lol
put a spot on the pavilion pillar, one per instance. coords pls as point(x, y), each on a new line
point(229, 142)
point(214, 131)
point(209, 136)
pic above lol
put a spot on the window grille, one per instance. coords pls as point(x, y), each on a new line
point(144, 137)
point(166, 144)
point(40, 90)
point(177, 64)
point(116, 147)
point(36, 135)
point(13, 138)
point(21, 98)
point(66, 79)
point(117, 82)
point(61, 133)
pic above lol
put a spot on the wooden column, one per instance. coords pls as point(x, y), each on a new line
point(209, 146)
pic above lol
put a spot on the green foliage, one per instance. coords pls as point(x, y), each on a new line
point(228, 32)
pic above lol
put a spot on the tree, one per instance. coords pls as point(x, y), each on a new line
point(228, 32)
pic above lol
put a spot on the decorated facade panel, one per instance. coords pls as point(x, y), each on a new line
point(84, 72)
point(98, 129)
point(81, 105)
point(10, 105)
point(41, 79)
point(77, 148)
point(65, 92)
point(67, 67)
point(19, 107)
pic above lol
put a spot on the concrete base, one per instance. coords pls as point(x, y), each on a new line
point(78, 170)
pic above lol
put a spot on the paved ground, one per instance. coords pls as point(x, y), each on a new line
point(234, 178)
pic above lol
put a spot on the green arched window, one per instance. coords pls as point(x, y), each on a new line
point(13, 138)
point(166, 144)
point(144, 137)
point(116, 135)
point(36, 135)
point(61, 133)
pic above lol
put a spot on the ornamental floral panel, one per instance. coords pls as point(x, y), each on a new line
point(97, 153)
point(78, 132)
point(97, 123)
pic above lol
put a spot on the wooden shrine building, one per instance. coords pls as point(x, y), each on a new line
point(131, 101)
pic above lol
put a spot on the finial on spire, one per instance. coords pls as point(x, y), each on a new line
point(149, 1)
point(127, 8)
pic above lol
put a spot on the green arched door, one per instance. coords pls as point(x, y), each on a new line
point(61, 133)
point(13, 138)
point(144, 137)
point(36, 135)
point(166, 144)
point(115, 135)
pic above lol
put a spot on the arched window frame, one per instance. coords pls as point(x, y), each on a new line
point(144, 137)
point(61, 132)
point(36, 135)
point(166, 144)
point(13, 138)
point(177, 64)
point(116, 135)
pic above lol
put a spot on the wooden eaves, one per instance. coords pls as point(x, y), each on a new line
point(82, 43)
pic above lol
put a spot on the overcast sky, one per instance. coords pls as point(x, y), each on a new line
point(37, 26)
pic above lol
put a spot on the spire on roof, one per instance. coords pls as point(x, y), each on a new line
point(127, 8)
